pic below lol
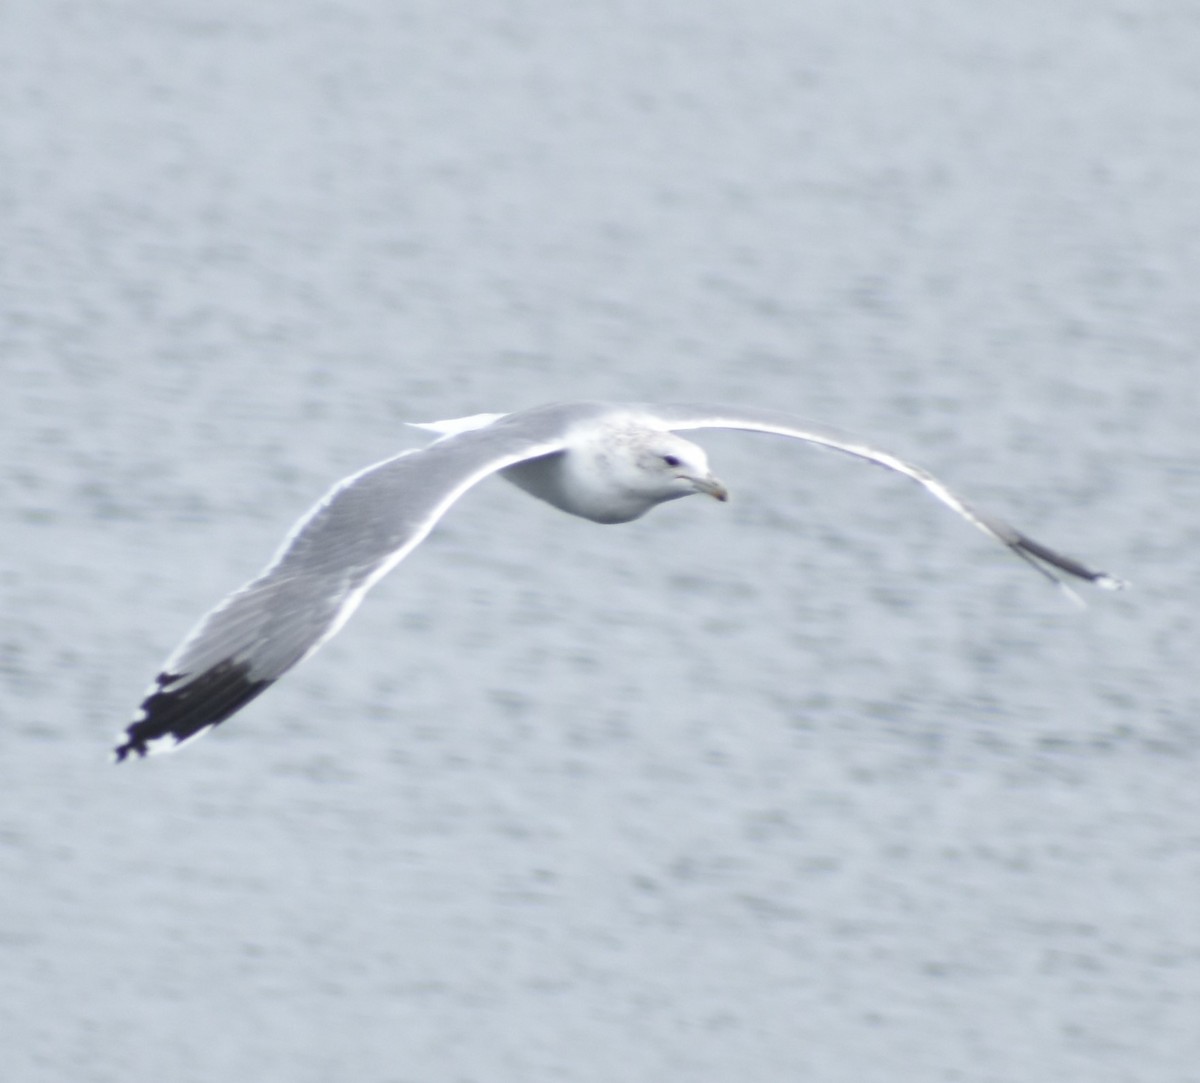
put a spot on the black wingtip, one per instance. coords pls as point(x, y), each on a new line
point(1030, 549)
point(181, 707)
point(121, 752)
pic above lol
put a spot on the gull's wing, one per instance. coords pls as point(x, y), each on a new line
point(682, 416)
point(361, 530)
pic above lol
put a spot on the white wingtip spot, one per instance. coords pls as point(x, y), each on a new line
point(175, 743)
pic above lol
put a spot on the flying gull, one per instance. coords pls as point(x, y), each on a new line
point(610, 463)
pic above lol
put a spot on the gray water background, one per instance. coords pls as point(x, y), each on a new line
point(818, 785)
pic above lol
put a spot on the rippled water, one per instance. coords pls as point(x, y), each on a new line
point(817, 785)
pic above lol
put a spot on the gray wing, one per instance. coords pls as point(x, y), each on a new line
point(361, 530)
point(682, 416)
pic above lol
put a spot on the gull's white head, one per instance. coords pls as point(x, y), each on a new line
point(617, 473)
point(660, 466)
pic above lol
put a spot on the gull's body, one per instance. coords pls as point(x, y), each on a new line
point(609, 463)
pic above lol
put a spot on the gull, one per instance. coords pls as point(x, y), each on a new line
point(607, 462)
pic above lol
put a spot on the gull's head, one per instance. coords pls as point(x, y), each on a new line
point(617, 473)
point(667, 467)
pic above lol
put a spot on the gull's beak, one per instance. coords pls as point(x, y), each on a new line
point(712, 487)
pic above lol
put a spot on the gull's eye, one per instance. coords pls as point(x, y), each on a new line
point(671, 460)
